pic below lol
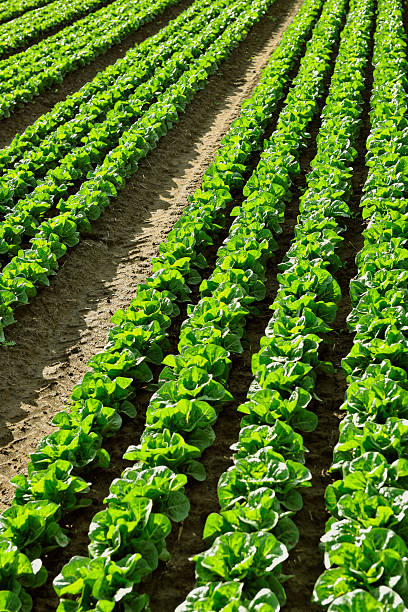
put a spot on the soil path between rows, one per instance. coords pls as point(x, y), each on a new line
point(68, 322)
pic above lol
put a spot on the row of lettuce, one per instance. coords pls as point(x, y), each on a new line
point(43, 65)
point(62, 146)
point(251, 536)
point(43, 145)
point(365, 549)
point(366, 540)
point(54, 485)
point(194, 387)
point(32, 267)
point(51, 169)
point(14, 8)
point(23, 30)
point(148, 53)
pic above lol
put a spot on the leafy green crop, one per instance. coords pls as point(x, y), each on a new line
point(45, 64)
point(22, 31)
point(51, 238)
point(138, 338)
point(366, 539)
point(192, 391)
point(261, 490)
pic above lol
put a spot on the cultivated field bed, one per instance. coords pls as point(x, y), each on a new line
point(203, 306)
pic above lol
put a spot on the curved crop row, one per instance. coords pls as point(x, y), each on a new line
point(184, 408)
point(71, 152)
point(366, 542)
point(140, 331)
point(46, 63)
point(23, 30)
point(32, 267)
point(251, 536)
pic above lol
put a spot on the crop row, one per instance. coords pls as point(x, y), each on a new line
point(138, 338)
point(63, 163)
point(149, 53)
point(23, 30)
point(251, 536)
point(32, 267)
point(14, 8)
point(366, 539)
point(45, 64)
point(136, 75)
point(193, 387)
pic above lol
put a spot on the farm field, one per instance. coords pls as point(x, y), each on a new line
point(203, 305)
